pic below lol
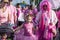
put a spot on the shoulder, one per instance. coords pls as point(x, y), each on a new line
point(52, 11)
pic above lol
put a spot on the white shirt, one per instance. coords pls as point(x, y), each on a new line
point(52, 19)
point(21, 17)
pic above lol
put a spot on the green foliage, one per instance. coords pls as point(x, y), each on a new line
point(36, 1)
point(23, 2)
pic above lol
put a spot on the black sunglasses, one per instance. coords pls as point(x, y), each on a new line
point(44, 5)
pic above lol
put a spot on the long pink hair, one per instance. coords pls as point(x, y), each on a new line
point(45, 2)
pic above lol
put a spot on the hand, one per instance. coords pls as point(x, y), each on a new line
point(13, 30)
point(54, 33)
point(33, 36)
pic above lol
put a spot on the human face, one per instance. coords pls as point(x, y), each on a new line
point(30, 19)
point(4, 36)
point(44, 7)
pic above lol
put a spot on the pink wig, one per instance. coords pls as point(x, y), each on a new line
point(45, 2)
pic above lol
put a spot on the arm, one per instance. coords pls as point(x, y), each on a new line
point(53, 23)
point(18, 28)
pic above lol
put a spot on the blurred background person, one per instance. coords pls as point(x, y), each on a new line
point(20, 14)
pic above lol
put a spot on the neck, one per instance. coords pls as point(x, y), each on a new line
point(28, 22)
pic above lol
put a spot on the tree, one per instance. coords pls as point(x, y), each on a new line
point(36, 1)
point(23, 2)
point(31, 1)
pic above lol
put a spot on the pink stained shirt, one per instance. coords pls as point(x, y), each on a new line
point(13, 13)
point(4, 16)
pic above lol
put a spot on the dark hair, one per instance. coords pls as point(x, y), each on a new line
point(1, 1)
point(10, 0)
point(17, 4)
point(31, 7)
point(58, 9)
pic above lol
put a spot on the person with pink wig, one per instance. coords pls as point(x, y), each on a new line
point(46, 20)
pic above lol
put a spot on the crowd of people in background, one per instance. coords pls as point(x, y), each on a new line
point(30, 22)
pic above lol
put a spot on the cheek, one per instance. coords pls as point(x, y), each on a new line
point(30, 18)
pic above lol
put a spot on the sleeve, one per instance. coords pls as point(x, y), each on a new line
point(53, 22)
point(54, 18)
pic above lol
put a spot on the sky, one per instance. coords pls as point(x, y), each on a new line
point(19, 1)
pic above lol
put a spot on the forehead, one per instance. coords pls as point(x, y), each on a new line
point(29, 16)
